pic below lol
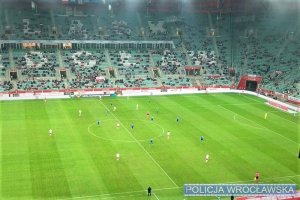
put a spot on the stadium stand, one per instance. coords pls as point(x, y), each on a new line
point(211, 48)
point(36, 63)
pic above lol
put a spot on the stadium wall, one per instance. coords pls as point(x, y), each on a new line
point(63, 94)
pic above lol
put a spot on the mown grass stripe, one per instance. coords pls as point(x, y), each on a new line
point(15, 180)
point(47, 173)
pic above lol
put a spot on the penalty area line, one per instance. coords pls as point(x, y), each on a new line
point(244, 124)
point(272, 111)
point(260, 125)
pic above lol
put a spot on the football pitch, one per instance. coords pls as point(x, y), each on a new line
point(78, 161)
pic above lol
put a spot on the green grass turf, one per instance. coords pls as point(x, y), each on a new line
point(79, 160)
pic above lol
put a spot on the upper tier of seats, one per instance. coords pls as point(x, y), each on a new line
point(220, 47)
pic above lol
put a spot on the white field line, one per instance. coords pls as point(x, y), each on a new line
point(261, 125)
point(271, 111)
point(132, 193)
point(155, 196)
point(119, 193)
point(244, 124)
point(269, 178)
point(123, 141)
point(34, 101)
point(124, 196)
point(284, 118)
point(141, 146)
point(292, 180)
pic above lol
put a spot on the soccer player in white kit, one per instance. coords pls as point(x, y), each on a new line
point(50, 132)
point(206, 158)
point(168, 134)
point(79, 113)
point(117, 156)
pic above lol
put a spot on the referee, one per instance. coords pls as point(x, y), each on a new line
point(149, 191)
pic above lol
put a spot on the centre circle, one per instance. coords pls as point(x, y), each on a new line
point(127, 131)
